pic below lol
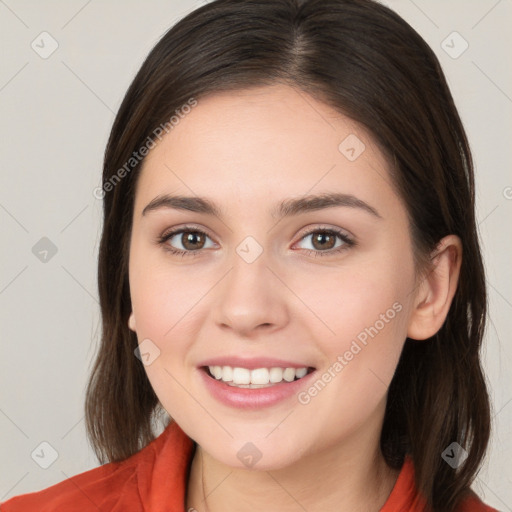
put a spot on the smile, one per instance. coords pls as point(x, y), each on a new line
point(243, 391)
point(256, 378)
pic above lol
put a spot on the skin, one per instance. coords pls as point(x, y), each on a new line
point(246, 151)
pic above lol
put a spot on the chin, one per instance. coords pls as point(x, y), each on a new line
point(255, 453)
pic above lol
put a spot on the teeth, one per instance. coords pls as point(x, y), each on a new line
point(300, 372)
point(259, 377)
point(240, 376)
point(289, 374)
point(226, 374)
point(276, 375)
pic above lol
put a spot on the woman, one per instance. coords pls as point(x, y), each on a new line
point(339, 375)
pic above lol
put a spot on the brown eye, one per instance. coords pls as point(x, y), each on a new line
point(192, 240)
point(324, 240)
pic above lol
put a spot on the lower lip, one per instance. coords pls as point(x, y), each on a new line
point(246, 398)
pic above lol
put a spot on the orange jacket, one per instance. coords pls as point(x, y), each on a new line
point(155, 478)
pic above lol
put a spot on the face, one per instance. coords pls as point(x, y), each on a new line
point(327, 288)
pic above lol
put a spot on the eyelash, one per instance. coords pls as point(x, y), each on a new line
point(348, 242)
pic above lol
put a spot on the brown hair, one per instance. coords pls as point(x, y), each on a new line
point(362, 59)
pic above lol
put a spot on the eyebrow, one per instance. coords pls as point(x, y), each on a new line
point(286, 208)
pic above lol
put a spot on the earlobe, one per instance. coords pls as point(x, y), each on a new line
point(131, 321)
point(436, 291)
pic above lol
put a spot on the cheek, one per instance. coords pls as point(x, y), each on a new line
point(363, 313)
point(163, 301)
point(351, 301)
point(162, 293)
point(169, 306)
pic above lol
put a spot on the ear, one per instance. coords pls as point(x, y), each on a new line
point(435, 292)
point(131, 321)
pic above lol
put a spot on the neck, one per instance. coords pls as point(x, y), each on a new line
point(351, 476)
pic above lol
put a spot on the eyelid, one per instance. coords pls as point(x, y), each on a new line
point(186, 227)
point(308, 230)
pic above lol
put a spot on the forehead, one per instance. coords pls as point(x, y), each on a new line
point(263, 142)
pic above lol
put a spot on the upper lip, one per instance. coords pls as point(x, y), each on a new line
point(252, 363)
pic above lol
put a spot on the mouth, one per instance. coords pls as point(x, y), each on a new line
point(257, 378)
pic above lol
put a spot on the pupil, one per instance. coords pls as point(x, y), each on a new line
point(320, 238)
point(189, 239)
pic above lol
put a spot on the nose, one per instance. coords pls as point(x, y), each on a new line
point(251, 298)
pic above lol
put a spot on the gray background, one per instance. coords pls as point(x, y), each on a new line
point(56, 114)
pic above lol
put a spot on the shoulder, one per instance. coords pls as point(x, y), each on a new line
point(120, 485)
point(474, 504)
point(97, 489)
